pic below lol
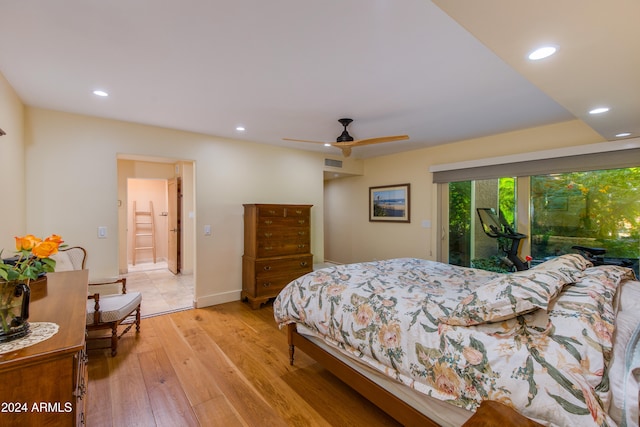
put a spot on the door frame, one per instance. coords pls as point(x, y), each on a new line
point(185, 168)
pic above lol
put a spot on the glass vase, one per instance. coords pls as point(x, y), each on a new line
point(14, 310)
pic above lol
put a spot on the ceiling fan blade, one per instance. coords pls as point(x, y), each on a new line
point(369, 141)
point(303, 140)
point(378, 140)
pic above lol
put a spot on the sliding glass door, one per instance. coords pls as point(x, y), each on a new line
point(598, 208)
point(468, 243)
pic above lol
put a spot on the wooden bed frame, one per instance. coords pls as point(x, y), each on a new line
point(490, 413)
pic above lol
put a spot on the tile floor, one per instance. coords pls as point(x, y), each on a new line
point(162, 291)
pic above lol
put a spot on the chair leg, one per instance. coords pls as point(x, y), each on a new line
point(114, 339)
point(138, 319)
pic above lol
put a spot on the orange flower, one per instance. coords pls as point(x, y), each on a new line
point(32, 258)
point(446, 380)
point(27, 242)
point(55, 238)
point(364, 315)
point(45, 249)
point(389, 335)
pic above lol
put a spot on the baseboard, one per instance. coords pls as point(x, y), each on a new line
point(216, 299)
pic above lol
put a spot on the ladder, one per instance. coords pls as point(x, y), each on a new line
point(144, 231)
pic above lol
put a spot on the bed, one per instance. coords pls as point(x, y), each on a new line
point(430, 342)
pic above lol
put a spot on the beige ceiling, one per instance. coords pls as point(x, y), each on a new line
point(438, 71)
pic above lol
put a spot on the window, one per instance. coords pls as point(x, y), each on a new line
point(595, 208)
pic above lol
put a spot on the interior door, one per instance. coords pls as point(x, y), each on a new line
point(175, 196)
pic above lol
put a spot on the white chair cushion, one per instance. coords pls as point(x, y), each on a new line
point(114, 307)
point(63, 261)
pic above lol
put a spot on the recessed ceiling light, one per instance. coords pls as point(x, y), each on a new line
point(240, 129)
point(623, 134)
point(542, 52)
point(599, 110)
point(100, 93)
point(326, 144)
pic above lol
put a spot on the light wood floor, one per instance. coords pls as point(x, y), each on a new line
point(225, 365)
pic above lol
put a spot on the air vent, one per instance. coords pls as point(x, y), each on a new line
point(333, 163)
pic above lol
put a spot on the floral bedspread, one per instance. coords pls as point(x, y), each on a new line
point(548, 364)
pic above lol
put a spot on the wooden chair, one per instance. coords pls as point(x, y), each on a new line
point(108, 303)
point(107, 311)
point(72, 258)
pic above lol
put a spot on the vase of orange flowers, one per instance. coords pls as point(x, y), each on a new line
point(31, 261)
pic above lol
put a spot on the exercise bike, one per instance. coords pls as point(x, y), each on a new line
point(496, 226)
point(596, 256)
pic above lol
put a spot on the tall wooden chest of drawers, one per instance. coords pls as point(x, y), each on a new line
point(277, 249)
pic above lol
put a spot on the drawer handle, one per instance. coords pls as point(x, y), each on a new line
point(298, 211)
point(302, 246)
point(301, 221)
point(272, 212)
point(268, 222)
point(267, 267)
point(266, 284)
point(301, 233)
point(303, 264)
point(268, 234)
point(268, 248)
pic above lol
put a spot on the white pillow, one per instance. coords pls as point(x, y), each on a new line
point(629, 296)
point(623, 383)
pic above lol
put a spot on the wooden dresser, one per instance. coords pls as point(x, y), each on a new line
point(46, 384)
point(277, 249)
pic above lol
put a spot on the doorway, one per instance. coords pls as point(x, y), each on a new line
point(147, 240)
point(157, 249)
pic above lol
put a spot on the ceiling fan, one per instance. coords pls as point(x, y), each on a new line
point(345, 141)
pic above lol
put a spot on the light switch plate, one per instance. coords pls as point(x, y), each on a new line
point(102, 232)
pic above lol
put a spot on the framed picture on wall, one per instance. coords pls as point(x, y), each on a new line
point(390, 203)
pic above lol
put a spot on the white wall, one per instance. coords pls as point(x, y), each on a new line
point(12, 169)
point(350, 237)
point(72, 189)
